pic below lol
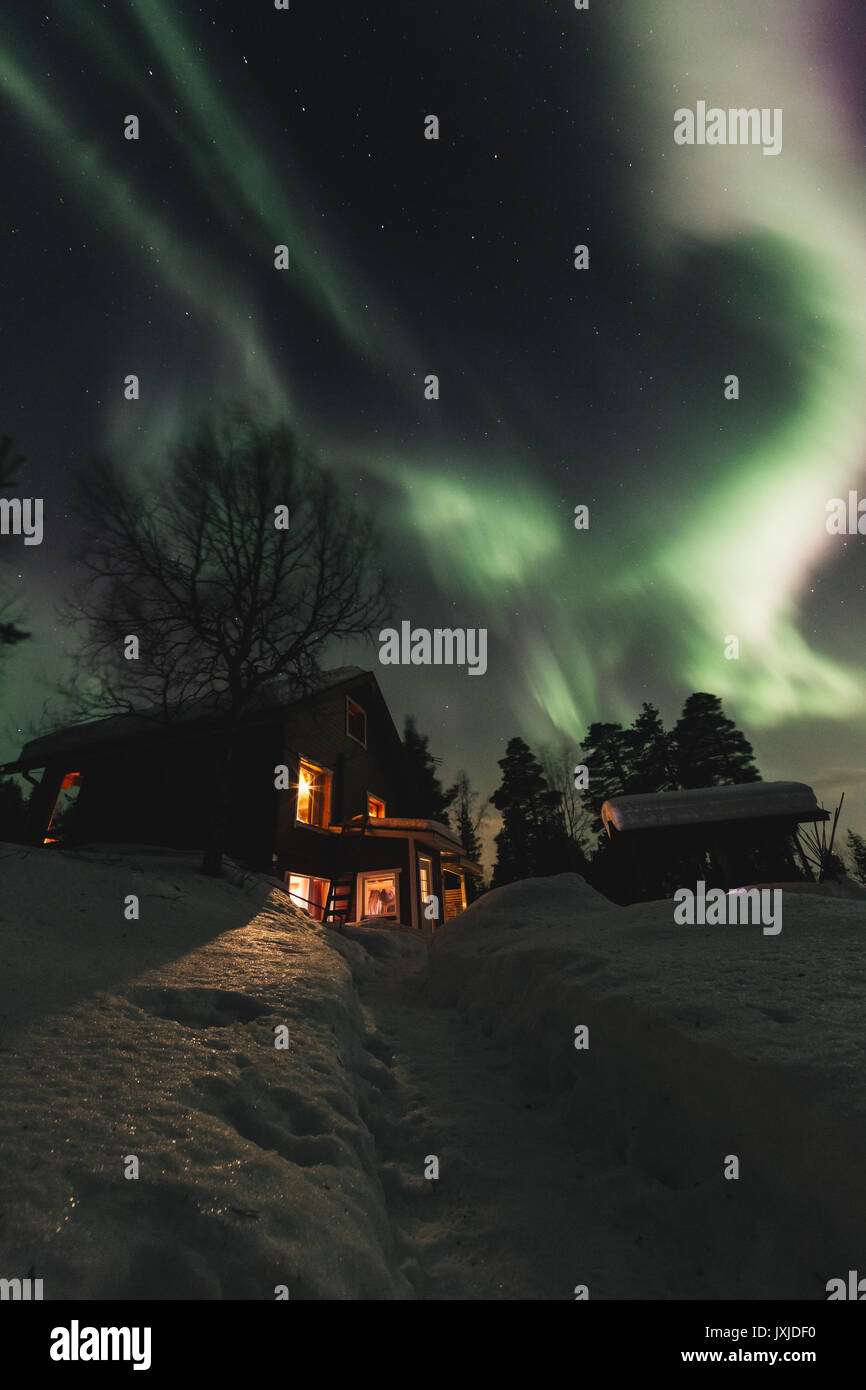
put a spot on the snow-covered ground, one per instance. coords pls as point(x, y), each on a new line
point(704, 1042)
point(155, 1038)
point(306, 1167)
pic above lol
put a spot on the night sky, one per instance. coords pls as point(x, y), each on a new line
point(409, 256)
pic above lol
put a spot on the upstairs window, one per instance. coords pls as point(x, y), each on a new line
point(314, 794)
point(375, 808)
point(356, 721)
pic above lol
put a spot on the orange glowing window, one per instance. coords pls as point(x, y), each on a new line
point(425, 877)
point(375, 808)
point(307, 893)
point(314, 794)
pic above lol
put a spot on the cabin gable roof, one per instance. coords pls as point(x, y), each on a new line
point(199, 718)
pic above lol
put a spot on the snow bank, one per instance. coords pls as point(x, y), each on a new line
point(156, 1038)
point(704, 1042)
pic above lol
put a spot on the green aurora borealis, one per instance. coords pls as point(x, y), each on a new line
point(704, 522)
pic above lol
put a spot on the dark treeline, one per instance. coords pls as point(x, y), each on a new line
point(704, 749)
point(540, 833)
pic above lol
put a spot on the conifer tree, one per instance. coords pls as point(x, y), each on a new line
point(607, 753)
point(711, 750)
point(466, 818)
point(425, 797)
point(531, 841)
point(653, 753)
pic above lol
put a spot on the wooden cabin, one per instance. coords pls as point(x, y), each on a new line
point(339, 833)
point(728, 836)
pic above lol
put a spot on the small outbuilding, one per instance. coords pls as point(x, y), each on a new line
point(728, 836)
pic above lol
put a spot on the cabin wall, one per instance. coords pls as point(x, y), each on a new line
point(161, 791)
point(317, 731)
point(641, 865)
point(162, 794)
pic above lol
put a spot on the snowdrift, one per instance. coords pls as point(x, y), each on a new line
point(155, 1039)
point(704, 1042)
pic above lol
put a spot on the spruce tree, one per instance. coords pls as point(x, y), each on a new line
point(653, 754)
point(465, 816)
point(425, 797)
point(531, 841)
point(607, 752)
point(711, 750)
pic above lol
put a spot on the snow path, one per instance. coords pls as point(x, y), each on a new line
point(517, 1212)
point(705, 1043)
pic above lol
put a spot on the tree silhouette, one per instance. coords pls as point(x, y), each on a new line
point(711, 750)
point(653, 754)
point(467, 823)
point(531, 842)
point(424, 794)
point(559, 769)
point(608, 753)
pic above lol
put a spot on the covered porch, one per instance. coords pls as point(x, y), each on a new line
point(381, 869)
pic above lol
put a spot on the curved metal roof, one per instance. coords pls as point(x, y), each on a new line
point(712, 805)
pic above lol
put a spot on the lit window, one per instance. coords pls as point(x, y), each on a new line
point(356, 721)
point(375, 808)
point(380, 895)
point(425, 875)
point(309, 894)
point(314, 794)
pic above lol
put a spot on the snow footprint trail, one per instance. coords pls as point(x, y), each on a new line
point(505, 1218)
point(522, 1208)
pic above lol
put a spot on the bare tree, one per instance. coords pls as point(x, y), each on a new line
point(232, 569)
point(468, 821)
point(559, 766)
